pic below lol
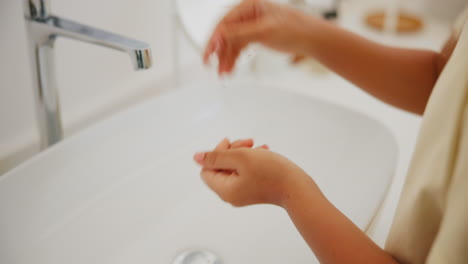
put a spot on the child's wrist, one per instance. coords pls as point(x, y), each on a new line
point(295, 189)
point(307, 33)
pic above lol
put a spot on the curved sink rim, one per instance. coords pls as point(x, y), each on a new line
point(133, 108)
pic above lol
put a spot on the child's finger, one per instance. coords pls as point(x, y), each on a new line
point(243, 143)
point(228, 57)
point(221, 159)
point(218, 181)
point(209, 49)
point(297, 58)
point(221, 52)
point(264, 147)
point(231, 61)
point(223, 145)
point(212, 46)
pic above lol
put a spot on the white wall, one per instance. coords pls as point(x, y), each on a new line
point(92, 81)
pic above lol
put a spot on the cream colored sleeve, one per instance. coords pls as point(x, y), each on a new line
point(460, 22)
point(431, 223)
point(451, 242)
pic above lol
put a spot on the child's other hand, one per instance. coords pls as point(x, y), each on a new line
point(242, 175)
point(276, 26)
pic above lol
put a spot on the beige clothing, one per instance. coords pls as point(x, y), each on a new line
point(431, 223)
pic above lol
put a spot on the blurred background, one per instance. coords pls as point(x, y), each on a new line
point(95, 82)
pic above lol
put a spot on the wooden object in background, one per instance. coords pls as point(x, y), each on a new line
point(406, 23)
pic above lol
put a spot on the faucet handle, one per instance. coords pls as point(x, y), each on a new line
point(36, 9)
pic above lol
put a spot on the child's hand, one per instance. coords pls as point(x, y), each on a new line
point(257, 21)
point(242, 175)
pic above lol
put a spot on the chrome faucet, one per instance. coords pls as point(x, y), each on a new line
point(43, 28)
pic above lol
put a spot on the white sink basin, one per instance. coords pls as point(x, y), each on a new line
point(127, 191)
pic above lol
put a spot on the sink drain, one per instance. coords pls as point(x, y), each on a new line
point(196, 257)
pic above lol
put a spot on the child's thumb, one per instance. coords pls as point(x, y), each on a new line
point(222, 160)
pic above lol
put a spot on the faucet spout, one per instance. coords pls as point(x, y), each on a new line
point(53, 27)
point(43, 29)
point(141, 58)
